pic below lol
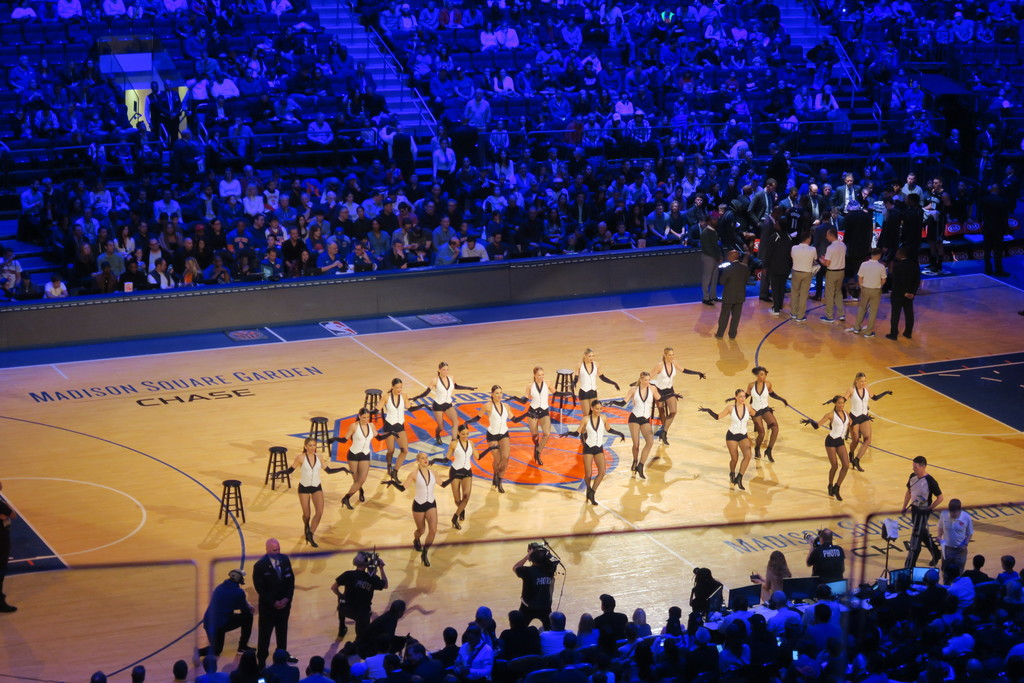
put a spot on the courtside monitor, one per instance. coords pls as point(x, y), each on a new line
point(751, 594)
point(800, 589)
point(838, 588)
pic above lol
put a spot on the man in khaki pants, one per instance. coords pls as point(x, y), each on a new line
point(871, 276)
point(835, 261)
point(804, 256)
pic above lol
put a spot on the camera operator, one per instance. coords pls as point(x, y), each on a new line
point(827, 561)
point(359, 584)
point(538, 583)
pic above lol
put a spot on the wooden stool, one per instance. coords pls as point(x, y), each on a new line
point(563, 392)
point(231, 501)
point(318, 431)
point(277, 467)
point(371, 401)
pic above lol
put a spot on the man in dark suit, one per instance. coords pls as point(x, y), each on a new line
point(905, 279)
point(275, 583)
point(778, 262)
point(762, 203)
point(733, 279)
point(994, 212)
point(7, 515)
point(164, 110)
point(848, 194)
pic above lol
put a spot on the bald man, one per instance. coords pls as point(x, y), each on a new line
point(274, 581)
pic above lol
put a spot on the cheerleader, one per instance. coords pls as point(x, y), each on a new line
point(393, 430)
point(586, 381)
point(764, 415)
point(460, 474)
point(663, 376)
point(361, 434)
point(442, 400)
point(424, 506)
point(736, 438)
point(592, 432)
point(538, 415)
point(309, 463)
point(839, 422)
point(643, 395)
point(498, 416)
point(858, 397)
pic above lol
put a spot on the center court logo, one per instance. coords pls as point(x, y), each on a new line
point(563, 464)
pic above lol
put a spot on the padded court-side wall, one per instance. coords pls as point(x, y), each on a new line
point(345, 297)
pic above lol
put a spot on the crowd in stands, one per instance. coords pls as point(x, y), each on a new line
point(622, 127)
point(971, 629)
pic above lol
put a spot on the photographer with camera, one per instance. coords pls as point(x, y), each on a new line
point(359, 584)
point(827, 561)
point(538, 582)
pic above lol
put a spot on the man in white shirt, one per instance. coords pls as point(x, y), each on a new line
point(834, 261)
point(473, 249)
point(955, 531)
point(804, 256)
point(871, 277)
point(319, 132)
point(552, 640)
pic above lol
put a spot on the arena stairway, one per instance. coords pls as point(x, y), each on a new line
point(338, 20)
point(801, 23)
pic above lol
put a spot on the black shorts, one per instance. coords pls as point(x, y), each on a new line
point(666, 394)
point(423, 507)
point(392, 429)
point(495, 438)
point(834, 442)
point(761, 413)
point(538, 413)
point(459, 474)
point(859, 419)
point(587, 395)
point(440, 407)
point(634, 420)
point(729, 436)
point(310, 489)
point(592, 450)
point(358, 457)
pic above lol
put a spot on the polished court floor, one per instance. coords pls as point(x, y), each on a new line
point(118, 460)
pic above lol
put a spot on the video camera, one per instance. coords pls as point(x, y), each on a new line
point(813, 538)
point(541, 553)
point(372, 558)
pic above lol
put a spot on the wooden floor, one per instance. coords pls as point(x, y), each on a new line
point(106, 481)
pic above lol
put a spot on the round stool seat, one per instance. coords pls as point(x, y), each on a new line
point(232, 483)
point(318, 421)
point(278, 449)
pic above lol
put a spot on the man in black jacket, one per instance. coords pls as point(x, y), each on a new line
point(733, 279)
point(275, 583)
point(994, 211)
point(905, 279)
point(778, 262)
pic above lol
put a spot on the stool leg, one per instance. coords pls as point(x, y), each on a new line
point(241, 507)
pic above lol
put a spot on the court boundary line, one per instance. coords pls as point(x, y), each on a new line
point(67, 565)
point(407, 374)
point(953, 360)
point(279, 337)
point(1002, 282)
point(1016, 432)
point(970, 369)
point(138, 527)
point(382, 332)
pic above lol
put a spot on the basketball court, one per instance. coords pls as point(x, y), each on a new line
point(115, 455)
